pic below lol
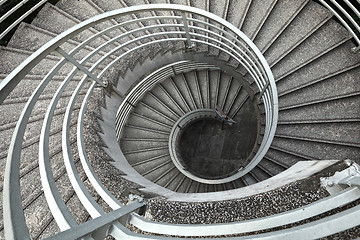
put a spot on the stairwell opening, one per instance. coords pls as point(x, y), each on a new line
point(212, 149)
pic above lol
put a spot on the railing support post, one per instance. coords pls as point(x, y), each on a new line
point(73, 61)
point(355, 49)
point(264, 89)
point(190, 44)
point(341, 180)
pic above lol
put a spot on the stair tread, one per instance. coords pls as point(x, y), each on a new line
point(282, 157)
point(89, 9)
point(237, 11)
point(31, 38)
point(308, 20)
point(343, 133)
point(339, 58)
point(319, 151)
point(334, 87)
point(219, 8)
point(280, 16)
point(55, 20)
point(257, 12)
point(327, 37)
point(345, 109)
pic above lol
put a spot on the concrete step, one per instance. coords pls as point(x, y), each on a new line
point(270, 167)
point(185, 185)
point(89, 9)
point(133, 131)
point(163, 96)
point(319, 150)
point(279, 157)
point(339, 58)
point(16, 107)
point(219, 8)
point(237, 11)
point(256, 16)
point(298, 31)
point(224, 89)
point(30, 150)
point(327, 111)
point(173, 182)
point(182, 84)
point(55, 20)
point(236, 100)
point(139, 119)
point(157, 105)
point(280, 17)
point(16, 56)
point(204, 87)
point(172, 87)
point(328, 37)
point(31, 38)
point(105, 6)
point(214, 79)
point(334, 86)
point(35, 208)
point(345, 133)
point(249, 179)
point(147, 156)
point(194, 83)
point(147, 111)
point(165, 178)
point(25, 87)
point(260, 174)
point(32, 132)
point(132, 147)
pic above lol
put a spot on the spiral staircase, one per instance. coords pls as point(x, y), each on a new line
point(167, 119)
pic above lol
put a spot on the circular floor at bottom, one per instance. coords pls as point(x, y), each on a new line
point(210, 149)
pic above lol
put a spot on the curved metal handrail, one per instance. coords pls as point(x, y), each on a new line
point(354, 22)
point(21, 18)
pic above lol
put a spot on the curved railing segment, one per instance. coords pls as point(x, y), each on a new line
point(19, 19)
point(224, 37)
point(350, 18)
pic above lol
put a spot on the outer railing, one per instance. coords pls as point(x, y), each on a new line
point(109, 51)
point(350, 19)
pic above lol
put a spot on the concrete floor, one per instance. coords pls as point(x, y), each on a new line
point(212, 150)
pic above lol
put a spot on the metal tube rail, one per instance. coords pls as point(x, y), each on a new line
point(61, 214)
point(96, 183)
point(11, 11)
point(81, 191)
point(18, 20)
point(342, 20)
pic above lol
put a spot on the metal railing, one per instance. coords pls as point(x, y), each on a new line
point(18, 19)
point(350, 19)
point(102, 58)
point(183, 27)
